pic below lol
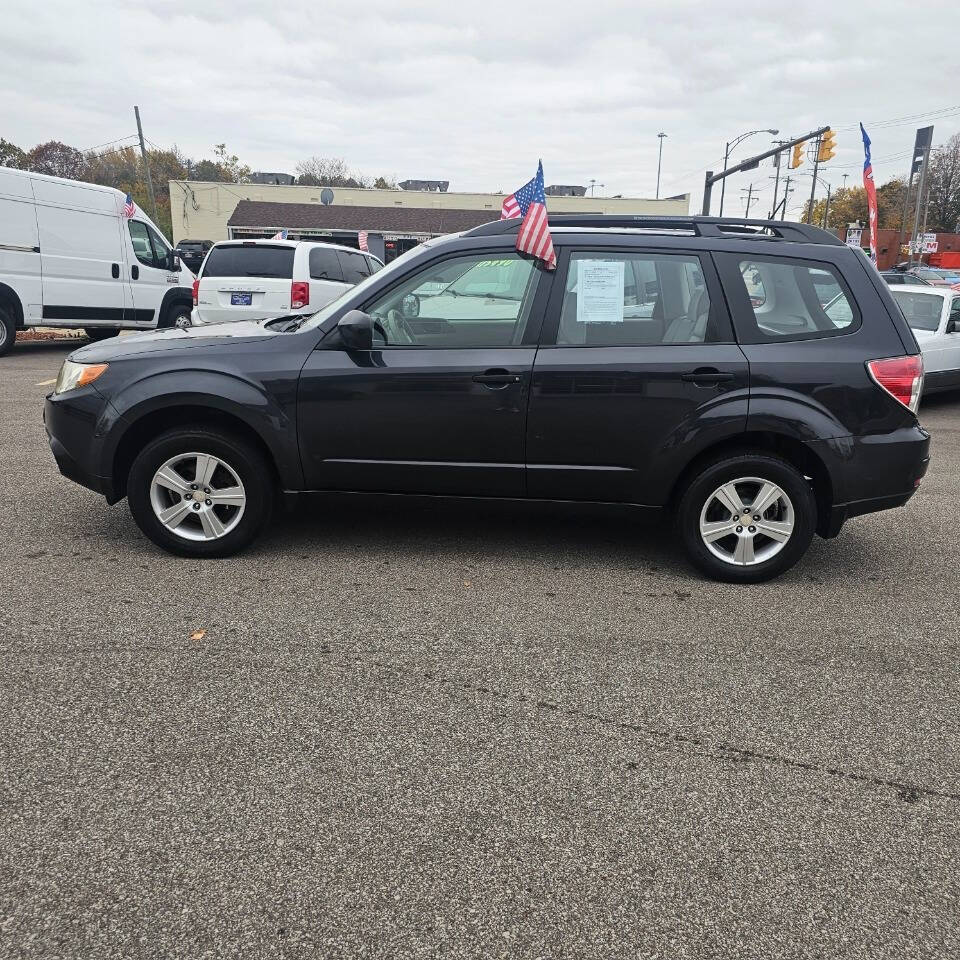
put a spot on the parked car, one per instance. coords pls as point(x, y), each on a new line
point(897, 278)
point(256, 279)
point(915, 272)
point(192, 252)
point(934, 316)
point(70, 257)
point(642, 371)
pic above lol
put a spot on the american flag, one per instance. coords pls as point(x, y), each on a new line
point(279, 235)
point(871, 190)
point(362, 237)
point(129, 207)
point(530, 202)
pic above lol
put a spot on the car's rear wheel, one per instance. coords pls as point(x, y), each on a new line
point(200, 492)
point(747, 517)
point(100, 333)
point(8, 331)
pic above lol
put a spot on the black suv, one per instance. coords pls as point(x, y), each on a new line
point(192, 253)
point(755, 378)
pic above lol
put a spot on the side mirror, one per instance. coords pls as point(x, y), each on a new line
point(173, 260)
point(356, 330)
point(953, 325)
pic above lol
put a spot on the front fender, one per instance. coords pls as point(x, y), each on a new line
point(272, 418)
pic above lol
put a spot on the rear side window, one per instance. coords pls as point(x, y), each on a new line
point(634, 300)
point(355, 266)
point(251, 261)
point(374, 265)
point(325, 264)
point(782, 299)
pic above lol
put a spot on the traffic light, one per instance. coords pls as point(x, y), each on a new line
point(797, 159)
point(827, 147)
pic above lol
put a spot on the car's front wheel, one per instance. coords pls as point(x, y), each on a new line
point(96, 334)
point(748, 517)
point(200, 492)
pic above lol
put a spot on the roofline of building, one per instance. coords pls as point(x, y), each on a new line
point(407, 193)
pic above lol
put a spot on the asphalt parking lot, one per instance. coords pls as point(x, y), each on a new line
point(421, 731)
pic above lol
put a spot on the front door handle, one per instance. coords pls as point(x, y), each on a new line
point(115, 270)
point(706, 375)
point(135, 272)
point(496, 378)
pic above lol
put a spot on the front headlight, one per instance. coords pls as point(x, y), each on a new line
point(74, 375)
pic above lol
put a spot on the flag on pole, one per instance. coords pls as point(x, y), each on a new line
point(362, 238)
point(871, 189)
point(530, 202)
point(129, 207)
point(279, 235)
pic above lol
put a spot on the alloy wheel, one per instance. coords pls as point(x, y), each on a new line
point(197, 496)
point(747, 521)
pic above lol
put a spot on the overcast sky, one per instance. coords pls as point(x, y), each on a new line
point(475, 92)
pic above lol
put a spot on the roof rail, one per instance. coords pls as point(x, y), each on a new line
point(699, 226)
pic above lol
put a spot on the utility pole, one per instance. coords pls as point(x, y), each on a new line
point(660, 136)
point(146, 163)
point(826, 210)
point(749, 193)
point(593, 183)
point(845, 180)
point(786, 193)
point(813, 186)
point(921, 184)
point(776, 182)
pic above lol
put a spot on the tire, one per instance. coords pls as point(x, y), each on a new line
point(179, 315)
point(750, 555)
point(96, 334)
point(8, 331)
point(238, 461)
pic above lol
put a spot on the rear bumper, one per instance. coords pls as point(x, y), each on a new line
point(872, 473)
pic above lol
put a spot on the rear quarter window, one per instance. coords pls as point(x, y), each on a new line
point(325, 265)
point(779, 298)
point(252, 261)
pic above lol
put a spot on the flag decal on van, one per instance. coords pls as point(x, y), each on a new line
point(129, 207)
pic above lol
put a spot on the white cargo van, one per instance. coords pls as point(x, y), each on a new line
point(70, 257)
point(255, 279)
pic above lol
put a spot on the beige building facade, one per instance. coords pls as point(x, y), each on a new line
point(201, 210)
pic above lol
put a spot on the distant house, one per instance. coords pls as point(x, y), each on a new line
point(565, 190)
point(285, 179)
point(436, 186)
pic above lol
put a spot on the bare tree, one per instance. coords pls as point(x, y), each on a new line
point(328, 172)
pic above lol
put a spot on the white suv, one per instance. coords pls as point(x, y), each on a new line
point(255, 279)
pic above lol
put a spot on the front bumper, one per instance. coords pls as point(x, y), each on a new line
point(73, 422)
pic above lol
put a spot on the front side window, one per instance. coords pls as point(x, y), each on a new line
point(792, 300)
point(142, 245)
point(631, 300)
point(160, 248)
point(922, 310)
point(471, 301)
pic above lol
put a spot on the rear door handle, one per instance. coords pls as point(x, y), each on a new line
point(706, 375)
point(496, 378)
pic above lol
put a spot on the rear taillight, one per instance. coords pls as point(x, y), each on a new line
point(196, 291)
point(901, 377)
point(299, 294)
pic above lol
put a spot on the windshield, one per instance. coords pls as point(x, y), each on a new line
point(922, 310)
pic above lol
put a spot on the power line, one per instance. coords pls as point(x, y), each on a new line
point(133, 136)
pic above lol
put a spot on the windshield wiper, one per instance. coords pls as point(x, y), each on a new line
point(486, 296)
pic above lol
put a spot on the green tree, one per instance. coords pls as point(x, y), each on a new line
point(11, 155)
point(385, 183)
point(224, 168)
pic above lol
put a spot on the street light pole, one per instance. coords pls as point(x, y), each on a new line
point(726, 158)
point(660, 137)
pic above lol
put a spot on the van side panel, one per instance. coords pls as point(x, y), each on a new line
point(84, 282)
point(19, 243)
